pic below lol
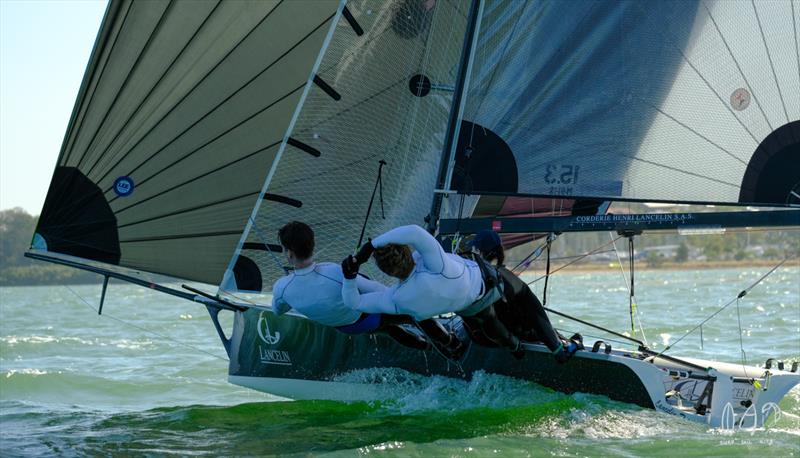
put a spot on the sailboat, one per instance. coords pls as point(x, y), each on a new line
point(203, 126)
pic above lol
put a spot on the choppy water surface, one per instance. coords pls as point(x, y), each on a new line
point(73, 383)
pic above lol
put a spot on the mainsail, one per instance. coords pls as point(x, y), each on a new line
point(679, 101)
point(383, 91)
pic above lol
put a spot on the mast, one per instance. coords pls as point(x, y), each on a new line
point(454, 122)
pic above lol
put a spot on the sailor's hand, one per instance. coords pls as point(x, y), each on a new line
point(365, 252)
point(350, 267)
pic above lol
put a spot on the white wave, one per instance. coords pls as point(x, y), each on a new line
point(411, 393)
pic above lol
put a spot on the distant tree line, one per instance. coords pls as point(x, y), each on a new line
point(16, 232)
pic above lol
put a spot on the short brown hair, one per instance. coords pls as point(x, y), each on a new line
point(395, 260)
point(298, 237)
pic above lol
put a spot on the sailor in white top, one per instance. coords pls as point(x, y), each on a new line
point(438, 283)
point(314, 289)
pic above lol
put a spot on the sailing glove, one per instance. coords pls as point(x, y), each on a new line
point(350, 267)
point(365, 252)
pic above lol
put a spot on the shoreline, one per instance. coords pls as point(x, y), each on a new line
point(689, 265)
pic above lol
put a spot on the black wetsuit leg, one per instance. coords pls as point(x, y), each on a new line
point(486, 320)
point(525, 309)
point(391, 326)
point(406, 338)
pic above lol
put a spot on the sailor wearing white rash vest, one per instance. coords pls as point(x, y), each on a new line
point(440, 282)
point(315, 291)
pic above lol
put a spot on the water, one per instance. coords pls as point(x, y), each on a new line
point(73, 383)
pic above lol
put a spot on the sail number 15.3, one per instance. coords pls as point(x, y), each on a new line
point(561, 178)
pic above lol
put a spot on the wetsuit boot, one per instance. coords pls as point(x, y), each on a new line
point(569, 348)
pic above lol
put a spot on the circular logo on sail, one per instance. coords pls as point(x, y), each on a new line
point(740, 99)
point(123, 186)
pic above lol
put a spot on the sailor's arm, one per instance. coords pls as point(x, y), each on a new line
point(419, 239)
point(279, 305)
point(376, 302)
point(365, 285)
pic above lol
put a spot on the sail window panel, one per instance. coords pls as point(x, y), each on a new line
point(194, 258)
point(384, 46)
point(287, 26)
point(239, 179)
point(178, 25)
point(140, 21)
point(224, 29)
point(377, 118)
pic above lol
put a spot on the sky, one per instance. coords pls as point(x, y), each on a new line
point(44, 48)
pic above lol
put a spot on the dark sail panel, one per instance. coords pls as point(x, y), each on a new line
point(181, 112)
point(668, 101)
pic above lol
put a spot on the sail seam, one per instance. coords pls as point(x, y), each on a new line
point(199, 82)
point(696, 133)
point(675, 169)
point(127, 80)
point(225, 100)
point(180, 236)
point(72, 139)
point(185, 156)
point(187, 210)
point(738, 67)
point(771, 64)
point(210, 172)
point(691, 65)
point(157, 84)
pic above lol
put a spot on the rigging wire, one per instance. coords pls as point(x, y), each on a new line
point(127, 323)
point(628, 287)
point(264, 239)
point(585, 255)
point(741, 294)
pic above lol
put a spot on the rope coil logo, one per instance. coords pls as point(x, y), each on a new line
point(264, 332)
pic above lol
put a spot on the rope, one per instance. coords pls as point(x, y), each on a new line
point(547, 271)
point(378, 186)
point(632, 295)
point(741, 342)
point(535, 253)
point(595, 251)
point(162, 336)
point(741, 294)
